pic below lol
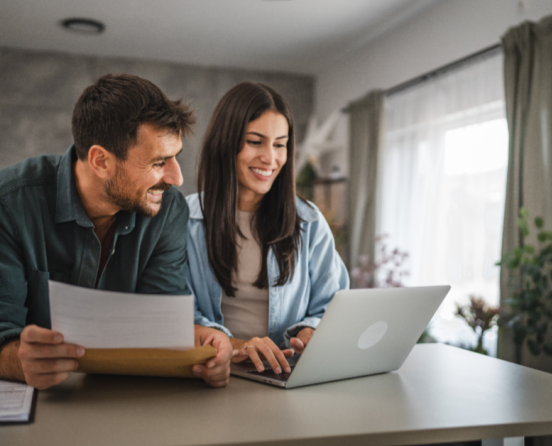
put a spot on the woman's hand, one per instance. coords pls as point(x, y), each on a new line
point(301, 340)
point(258, 348)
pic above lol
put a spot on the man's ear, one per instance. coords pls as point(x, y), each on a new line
point(102, 162)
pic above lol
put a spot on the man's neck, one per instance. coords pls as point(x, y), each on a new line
point(102, 214)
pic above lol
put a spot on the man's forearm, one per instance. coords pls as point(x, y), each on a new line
point(10, 366)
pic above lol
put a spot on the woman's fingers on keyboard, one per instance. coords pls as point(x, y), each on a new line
point(259, 349)
point(288, 352)
point(280, 357)
point(254, 356)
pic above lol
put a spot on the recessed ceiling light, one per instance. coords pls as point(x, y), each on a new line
point(83, 26)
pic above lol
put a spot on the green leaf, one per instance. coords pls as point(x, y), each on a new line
point(539, 222)
point(547, 348)
point(542, 237)
point(529, 249)
point(523, 212)
point(523, 227)
point(534, 347)
point(519, 334)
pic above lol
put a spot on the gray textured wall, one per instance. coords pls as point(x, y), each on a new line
point(39, 89)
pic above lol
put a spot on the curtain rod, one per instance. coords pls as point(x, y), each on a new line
point(450, 66)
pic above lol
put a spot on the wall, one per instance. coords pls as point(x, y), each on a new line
point(39, 89)
point(442, 33)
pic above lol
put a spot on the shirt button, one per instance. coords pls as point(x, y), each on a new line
point(126, 227)
point(218, 317)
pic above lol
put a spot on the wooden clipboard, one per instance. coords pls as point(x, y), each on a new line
point(145, 361)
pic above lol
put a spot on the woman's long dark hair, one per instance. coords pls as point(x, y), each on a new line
point(275, 223)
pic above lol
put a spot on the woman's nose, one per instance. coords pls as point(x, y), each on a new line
point(268, 155)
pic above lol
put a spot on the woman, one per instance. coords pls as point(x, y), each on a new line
point(263, 265)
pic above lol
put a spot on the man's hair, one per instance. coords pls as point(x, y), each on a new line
point(110, 112)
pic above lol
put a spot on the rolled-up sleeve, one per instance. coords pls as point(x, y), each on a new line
point(13, 282)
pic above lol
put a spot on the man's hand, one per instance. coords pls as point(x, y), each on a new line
point(301, 340)
point(258, 348)
point(45, 359)
point(216, 372)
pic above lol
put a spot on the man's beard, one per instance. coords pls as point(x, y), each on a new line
point(119, 192)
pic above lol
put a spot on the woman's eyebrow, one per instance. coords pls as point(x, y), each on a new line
point(260, 135)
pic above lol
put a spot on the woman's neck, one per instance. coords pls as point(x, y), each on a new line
point(248, 201)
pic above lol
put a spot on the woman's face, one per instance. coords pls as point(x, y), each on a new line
point(261, 158)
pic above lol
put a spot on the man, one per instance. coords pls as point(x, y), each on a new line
point(101, 216)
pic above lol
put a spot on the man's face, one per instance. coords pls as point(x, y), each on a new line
point(148, 171)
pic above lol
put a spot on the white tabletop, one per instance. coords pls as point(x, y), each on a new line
point(441, 394)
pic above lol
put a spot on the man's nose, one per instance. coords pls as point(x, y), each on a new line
point(173, 173)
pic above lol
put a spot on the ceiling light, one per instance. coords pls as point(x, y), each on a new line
point(83, 26)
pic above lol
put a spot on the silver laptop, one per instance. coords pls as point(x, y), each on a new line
point(363, 332)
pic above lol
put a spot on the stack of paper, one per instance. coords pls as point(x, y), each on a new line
point(128, 334)
point(15, 402)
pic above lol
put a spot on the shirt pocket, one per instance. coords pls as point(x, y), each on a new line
point(38, 303)
point(60, 276)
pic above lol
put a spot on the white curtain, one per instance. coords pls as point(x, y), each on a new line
point(442, 172)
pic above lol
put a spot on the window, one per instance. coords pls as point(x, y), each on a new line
point(442, 180)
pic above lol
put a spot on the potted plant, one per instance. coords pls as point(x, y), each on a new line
point(480, 317)
point(528, 312)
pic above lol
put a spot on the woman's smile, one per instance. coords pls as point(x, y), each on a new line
point(262, 174)
point(262, 156)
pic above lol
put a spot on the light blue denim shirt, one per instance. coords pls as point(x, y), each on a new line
point(301, 302)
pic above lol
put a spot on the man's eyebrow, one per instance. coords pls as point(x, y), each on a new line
point(260, 135)
point(165, 158)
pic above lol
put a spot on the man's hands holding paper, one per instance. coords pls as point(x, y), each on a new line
point(216, 372)
point(42, 359)
point(45, 359)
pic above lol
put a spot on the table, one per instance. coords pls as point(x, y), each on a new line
point(440, 394)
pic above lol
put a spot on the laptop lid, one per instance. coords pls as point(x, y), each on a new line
point(365, 332)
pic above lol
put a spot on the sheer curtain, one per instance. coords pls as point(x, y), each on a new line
point(442, 173)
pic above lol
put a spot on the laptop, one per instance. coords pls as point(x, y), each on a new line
point(363, 332)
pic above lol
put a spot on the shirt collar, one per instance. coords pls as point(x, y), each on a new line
point(68, 204)
point(125, 222)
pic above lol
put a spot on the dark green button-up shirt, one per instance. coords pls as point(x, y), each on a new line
point(45, 234)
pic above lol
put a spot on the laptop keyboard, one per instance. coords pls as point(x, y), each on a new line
point(268, 373)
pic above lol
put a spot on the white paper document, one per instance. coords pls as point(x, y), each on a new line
point(16, 401)
point(106, 319)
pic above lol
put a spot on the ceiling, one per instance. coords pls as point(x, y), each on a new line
point(299, 36)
